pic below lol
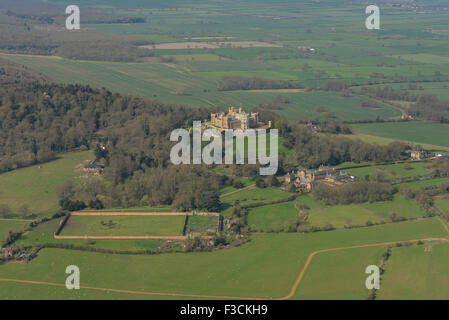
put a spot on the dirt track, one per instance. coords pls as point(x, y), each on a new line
point(290, 295)
point(310, 257)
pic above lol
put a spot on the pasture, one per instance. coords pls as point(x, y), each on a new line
point(124, 226)
point(360, 214)
point(443, 204)
point(266, 217)
point(37, 186)
point(385, 141)
point(44, 233)
point(7, 225)
point(202, 225)
point(254, 195)
point(394, 171)
point(264, 268)
point(416, 131)
point(426, 183)
point(413, 273)
point(180, 83)
point(339, 274)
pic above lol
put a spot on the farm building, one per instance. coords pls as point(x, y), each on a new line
point(8, 252)
point(419, 155)
point(308, 178)
point(93, 167)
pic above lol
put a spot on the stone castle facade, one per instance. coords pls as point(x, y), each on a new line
point(236, 119)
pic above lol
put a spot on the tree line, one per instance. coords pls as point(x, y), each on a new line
point(357, 192)
point(243, 83)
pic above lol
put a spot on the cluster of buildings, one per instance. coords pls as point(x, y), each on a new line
point(93, 167)
point(425, 155)
point(237, 119)
point(18, 253)
point(308, 178)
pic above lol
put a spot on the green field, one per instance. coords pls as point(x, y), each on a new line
point(254, 195)
point(410, 53)
point(416, 131)
point(359, 214)
point(439, 88)
point(202, 224)
point(443, 204)
point(412, 273)
point(395, 171)
point(339, 274)
point(44, 233)
point(266, 267)
point(124, 226)
point(263, 218)
point(161, 80)
point(38, 186)
point(426, 58)
point(426, 183)
point(228, 189)
point(7, 225)
point(385, 141)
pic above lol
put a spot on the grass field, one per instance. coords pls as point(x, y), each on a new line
point(339, 274)
point(416, 131)
point(394, 171)
point(163, 81)
point(385, 141)
point(439, 88)
point(360, 214)
point(254, 195)
point(443, 204)
point(263, 218)
point(44, 234)
point(202, 224)
point(124, 226)
point(266, 267)
point(38, 186)
point(413, 273)
point(272, 217)
point(426, 183)
point(7, 225)
point(264, 39)
point(228, 189)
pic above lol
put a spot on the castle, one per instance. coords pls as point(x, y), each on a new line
point(237, 120)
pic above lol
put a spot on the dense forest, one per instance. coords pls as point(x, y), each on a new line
point(39, 119)
point(312, 150)
point(357, 192)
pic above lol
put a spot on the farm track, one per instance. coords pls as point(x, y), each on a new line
point(239, 190)
point(309, 259)
point(289, 296)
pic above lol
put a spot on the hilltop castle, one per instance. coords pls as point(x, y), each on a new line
point(237, 120)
